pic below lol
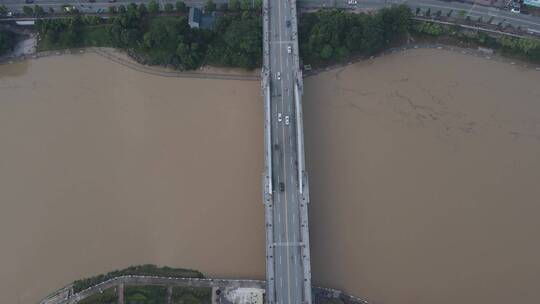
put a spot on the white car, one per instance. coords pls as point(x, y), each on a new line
point(515, 10)
point(279, 117)
point(289, 49)
point(287, 120)
point(278, 75)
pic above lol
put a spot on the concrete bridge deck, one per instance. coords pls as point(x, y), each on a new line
point(285, 184)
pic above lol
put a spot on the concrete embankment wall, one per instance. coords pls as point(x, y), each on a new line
point(66, 295)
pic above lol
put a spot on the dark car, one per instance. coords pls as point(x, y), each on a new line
point(281, 187)
point(288, 23)
point(28, 1)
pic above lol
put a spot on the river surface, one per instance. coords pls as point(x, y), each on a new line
point(424, 170)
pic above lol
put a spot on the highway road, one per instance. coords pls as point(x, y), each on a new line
point(472, 10)
point(86, 6)
point(288, 271)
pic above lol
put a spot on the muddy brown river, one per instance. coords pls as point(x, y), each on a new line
point(424, 170)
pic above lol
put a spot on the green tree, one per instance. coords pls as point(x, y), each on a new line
point(223, 7)
point(3, 10)
point(111, 10)
point(168, 8)
point(7, 41)
point(326, 52)
point(257, 5)
point(39, 11)
point(28, 11)
point(153, 7)
point(142, 10)
point(234, 5)
point(209, 6)
point(181, 7)
point(121, 9)
point(246, 5)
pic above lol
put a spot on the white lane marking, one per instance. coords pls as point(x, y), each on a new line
point(280, 259)
point(501, 15)
point(279, 217)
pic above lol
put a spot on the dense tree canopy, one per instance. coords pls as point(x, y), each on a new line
point(237, 42)
point(7, 41)
point(334, 35)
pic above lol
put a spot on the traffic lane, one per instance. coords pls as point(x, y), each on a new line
point(472, 10)
point(86, 6)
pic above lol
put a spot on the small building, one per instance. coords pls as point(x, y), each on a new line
point(195, 17)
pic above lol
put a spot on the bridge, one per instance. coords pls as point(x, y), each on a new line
point(284, 182)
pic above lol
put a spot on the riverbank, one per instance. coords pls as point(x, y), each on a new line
point(118, 56)
point(169, 285)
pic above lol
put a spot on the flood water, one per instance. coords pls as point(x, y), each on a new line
point(424, 170)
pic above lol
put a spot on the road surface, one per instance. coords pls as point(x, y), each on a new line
point(287, 238)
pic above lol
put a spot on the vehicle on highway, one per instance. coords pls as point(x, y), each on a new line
point(287, 120)
point(28, 1)
point(111, 1)
point(279, 117)
point(68, 8)
point(352, 2)
point(281, 187)
point(288, 23)
point(515, 10)
point(289, 49)
point(278, 75)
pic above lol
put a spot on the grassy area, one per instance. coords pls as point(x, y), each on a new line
point(192, 295)
point(109, 296)
point(145, 294)
point(149, 270)
point(97, 35)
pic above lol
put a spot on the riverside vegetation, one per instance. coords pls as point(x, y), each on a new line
point(235, 39)
point(7, 41)
point(525, 48)
point(144, 270)
point(153, 295)
point(146, 294)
